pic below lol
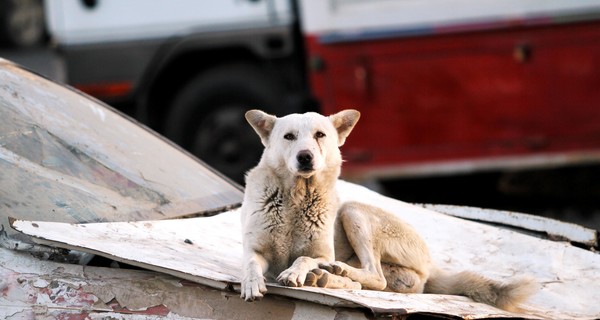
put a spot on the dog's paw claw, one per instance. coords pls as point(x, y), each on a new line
point(252, 298)
point(291, 279)
point(253, 288)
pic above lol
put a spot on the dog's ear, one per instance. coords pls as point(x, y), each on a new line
point(262, 123)
point(343, 122)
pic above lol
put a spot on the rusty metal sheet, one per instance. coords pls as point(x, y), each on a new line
point(68, 157)
point(212, 256)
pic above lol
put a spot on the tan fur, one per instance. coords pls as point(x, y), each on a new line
point(292, 224)
point(382, 252)
point(506, 296)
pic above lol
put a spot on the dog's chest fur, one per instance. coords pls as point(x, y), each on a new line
point(296, 219)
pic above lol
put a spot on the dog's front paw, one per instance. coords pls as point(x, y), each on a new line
point(336, 267)
point(253, 287)
point(292, 277)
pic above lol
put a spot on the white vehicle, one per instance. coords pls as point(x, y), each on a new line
point(458, 86)
point(189, 69)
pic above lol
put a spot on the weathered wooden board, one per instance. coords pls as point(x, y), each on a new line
point(214, 258)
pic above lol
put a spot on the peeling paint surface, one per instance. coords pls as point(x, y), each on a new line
point(34, 289)
point(214, 259)
point(69, 158)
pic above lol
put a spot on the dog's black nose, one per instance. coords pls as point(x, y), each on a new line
point(304, 158)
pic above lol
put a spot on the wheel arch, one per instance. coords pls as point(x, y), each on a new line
point(180, 60)
point(180, 70)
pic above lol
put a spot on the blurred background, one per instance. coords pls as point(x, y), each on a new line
point(489, 103)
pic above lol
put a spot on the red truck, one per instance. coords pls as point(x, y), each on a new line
point(443, 87)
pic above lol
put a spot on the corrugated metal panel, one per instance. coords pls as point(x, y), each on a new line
point(212, 256)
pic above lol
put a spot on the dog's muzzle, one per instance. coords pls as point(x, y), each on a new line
point(305, 161)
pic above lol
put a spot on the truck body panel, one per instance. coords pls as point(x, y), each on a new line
point(445, 90)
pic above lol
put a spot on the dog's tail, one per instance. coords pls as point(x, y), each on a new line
point(505, 296)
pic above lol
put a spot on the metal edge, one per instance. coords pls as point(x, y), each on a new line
point(221, 285)
point(555, 229)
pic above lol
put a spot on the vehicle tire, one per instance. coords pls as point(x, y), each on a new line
point(206, 116)
point(21, 22)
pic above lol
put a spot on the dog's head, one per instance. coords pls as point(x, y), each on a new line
point(303, 144)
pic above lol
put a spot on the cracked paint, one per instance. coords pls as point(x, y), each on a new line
point(35, 289)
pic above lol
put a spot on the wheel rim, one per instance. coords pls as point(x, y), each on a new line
point(225, 141)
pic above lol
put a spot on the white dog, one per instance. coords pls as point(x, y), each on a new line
point(291, 216)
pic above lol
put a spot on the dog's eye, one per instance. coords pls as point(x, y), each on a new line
point(289, 136)
point(319, 134)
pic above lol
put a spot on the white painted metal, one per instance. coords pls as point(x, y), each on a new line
point(543, 160)
point(65, 157)
point(456, 244)
point(71, 22)
point(351, 16)
point(554, 228)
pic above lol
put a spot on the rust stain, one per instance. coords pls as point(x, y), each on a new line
point(158, 310)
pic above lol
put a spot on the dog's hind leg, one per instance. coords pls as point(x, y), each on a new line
point(358, 232)
point(323, 279)
point(402, 279)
